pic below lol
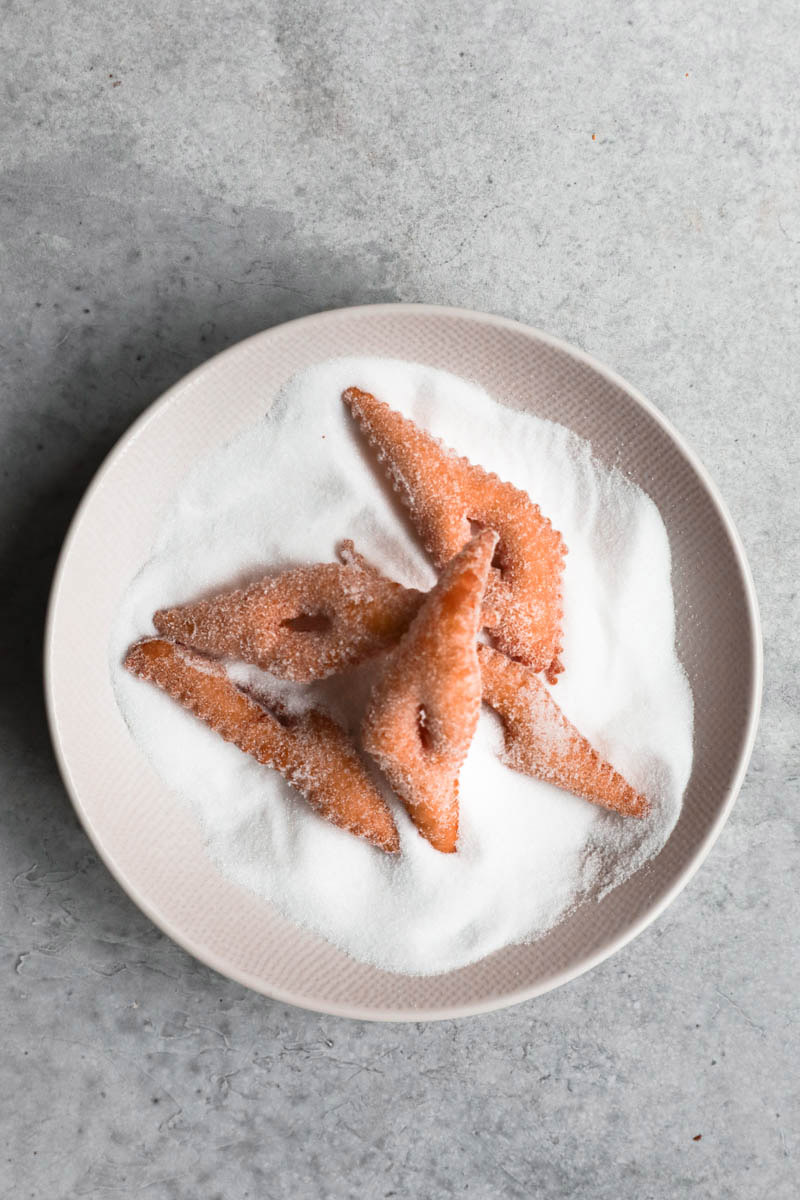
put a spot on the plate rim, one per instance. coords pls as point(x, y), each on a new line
point(352, 1011)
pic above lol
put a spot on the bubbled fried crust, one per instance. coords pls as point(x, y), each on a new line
point(311, 751)
point(424, 709)
point(540, 741)
point(303, 624)
point(447, 495)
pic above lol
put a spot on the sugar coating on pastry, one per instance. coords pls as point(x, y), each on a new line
point(423, 711)
point(540, 741)
point(303, 624)
point(310, 751)
point(447, 497)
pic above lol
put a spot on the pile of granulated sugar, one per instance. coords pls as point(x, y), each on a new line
point(287, 492)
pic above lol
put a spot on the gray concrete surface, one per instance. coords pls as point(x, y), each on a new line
point(176, 176)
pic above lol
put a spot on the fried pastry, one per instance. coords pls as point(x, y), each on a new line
point(310, 751)
point(446, 497)
point(303, 624)
point(423, 710)
point(540, 741)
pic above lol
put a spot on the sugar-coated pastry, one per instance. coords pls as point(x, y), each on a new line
point(446, 497)
point(303, 624)
point(423, 711)
point(310, 751)
point(540, 741)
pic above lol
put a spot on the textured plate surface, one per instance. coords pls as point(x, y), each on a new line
point(147, 837)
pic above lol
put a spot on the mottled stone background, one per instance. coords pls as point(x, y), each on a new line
point(176, 176)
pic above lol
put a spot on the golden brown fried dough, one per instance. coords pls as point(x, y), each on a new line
point(303, 624)
point(446, 497)
point(423, 710)
point(540, 741)
point(310, 751)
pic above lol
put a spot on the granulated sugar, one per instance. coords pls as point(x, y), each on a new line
point(288, 492)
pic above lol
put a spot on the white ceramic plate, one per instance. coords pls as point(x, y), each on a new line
point(147, 837)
